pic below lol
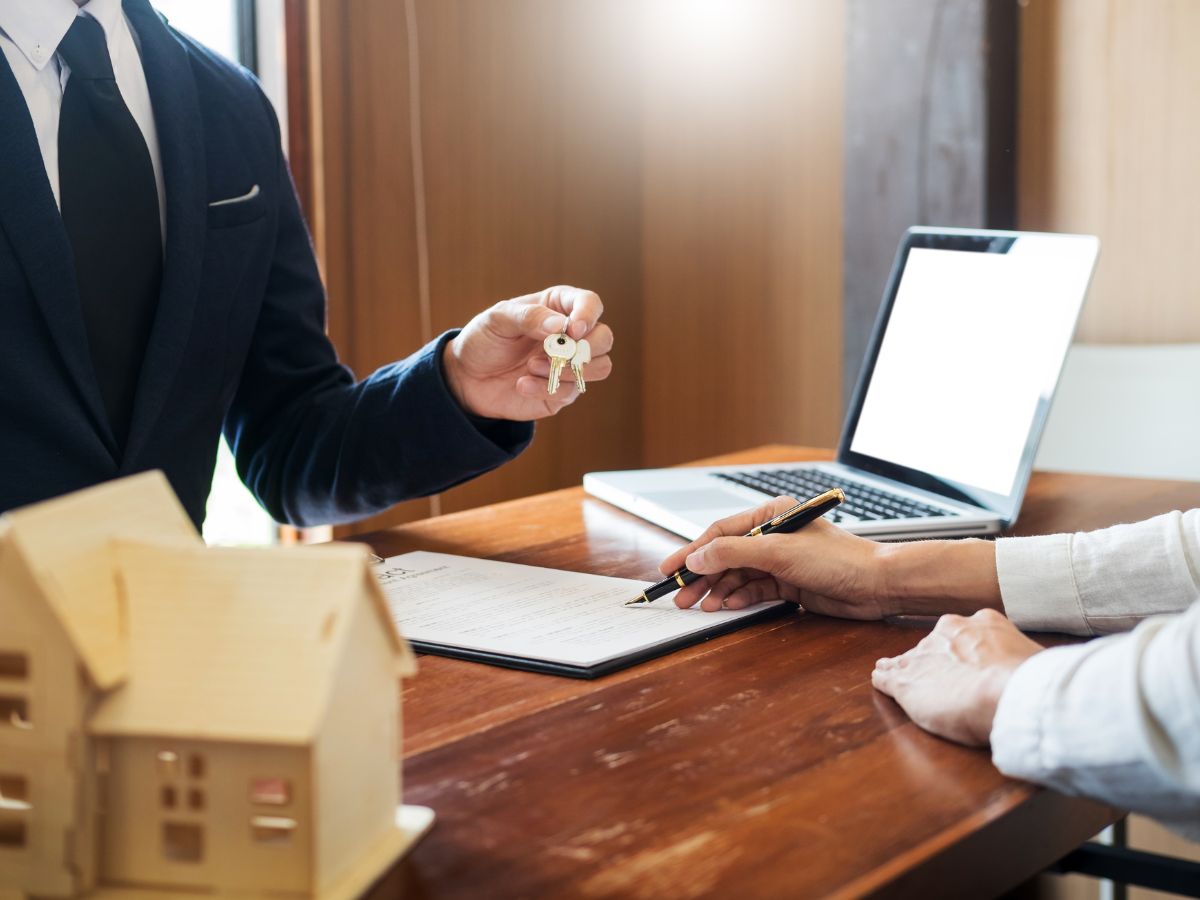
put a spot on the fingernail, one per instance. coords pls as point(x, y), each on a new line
point(554, 324)
point(694, 559)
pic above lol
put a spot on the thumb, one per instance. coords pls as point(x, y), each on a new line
point(514, 319)
point(725, 553)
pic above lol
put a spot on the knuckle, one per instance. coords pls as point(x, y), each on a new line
point(723, 528)
point(950, 624)
point(602, 340)
point(529, 316)
point(719, 549)
point(502, 309)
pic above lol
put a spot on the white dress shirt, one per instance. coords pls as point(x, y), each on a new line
point(1118, 718)
point(30, 32)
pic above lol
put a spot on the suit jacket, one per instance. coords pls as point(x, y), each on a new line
point(239, 336)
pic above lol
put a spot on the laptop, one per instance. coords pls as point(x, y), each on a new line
point(940, 436)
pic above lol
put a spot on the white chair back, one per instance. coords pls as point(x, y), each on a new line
point(1126, 410)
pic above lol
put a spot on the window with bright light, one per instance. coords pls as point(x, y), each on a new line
point(236, 29)
point(214, 23)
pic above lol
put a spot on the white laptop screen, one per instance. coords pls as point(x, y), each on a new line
point(968, 357)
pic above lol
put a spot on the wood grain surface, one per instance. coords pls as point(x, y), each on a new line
point(761, 763)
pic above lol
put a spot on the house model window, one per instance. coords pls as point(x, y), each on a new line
point(168, 764)
point(14, 809)
point(270, 792)
point(12, 831)
point(272, 829)
point(170, 769)
point(14, 666)
point(183, 842)
point(14, 712)
point(14, 793)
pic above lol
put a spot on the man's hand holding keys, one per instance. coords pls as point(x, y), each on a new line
point(497, 366)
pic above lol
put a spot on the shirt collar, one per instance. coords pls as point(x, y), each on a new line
point(37, 27)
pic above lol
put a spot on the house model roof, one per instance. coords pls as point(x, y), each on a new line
point(66, 544)
point(237, 644)
point(187, 641)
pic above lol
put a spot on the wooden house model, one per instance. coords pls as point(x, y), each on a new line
point(176, 719)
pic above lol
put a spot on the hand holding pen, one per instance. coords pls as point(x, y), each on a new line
point(777, 522)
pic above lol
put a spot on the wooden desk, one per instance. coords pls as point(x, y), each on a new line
point(761, 764)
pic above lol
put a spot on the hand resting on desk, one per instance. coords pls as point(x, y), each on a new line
point(1113, 719)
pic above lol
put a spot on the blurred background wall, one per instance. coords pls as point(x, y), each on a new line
point(1109, 138)
point(700, 164)
point(680, 157)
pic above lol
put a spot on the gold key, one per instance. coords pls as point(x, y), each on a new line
point(583, 356)
point(560, 349)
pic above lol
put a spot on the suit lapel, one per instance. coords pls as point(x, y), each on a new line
point(181, 141)
point(34, 227)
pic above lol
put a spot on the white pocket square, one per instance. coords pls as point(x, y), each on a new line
point(249, 195)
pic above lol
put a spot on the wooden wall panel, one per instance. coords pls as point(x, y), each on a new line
point(532, 160)
point(743, 227)
point(530, 153)
point(581, 142)
point(362, 190)
point(1109, 138)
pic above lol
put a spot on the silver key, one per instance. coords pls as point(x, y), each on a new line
point(583, 356)
point(560, 349)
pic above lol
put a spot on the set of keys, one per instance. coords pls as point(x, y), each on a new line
point(563, 350)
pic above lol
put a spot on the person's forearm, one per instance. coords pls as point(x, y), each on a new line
point(1116, 719)
point(936, 577)
point(341, 450)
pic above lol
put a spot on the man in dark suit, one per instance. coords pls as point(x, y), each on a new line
point(158, 285)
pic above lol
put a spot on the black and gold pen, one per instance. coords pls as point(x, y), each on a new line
point(786, 522)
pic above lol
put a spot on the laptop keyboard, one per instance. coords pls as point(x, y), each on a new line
point(863, 502)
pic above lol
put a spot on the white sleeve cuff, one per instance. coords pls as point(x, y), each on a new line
point(1017, 733)
point(1037, 584)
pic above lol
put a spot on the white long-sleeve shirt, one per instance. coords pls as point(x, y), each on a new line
point(1117, 718)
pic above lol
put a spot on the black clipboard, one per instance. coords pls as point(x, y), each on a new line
point(608, 666)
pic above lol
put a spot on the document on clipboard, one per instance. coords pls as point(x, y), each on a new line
point(540, 620)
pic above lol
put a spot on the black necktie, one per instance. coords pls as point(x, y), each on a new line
point(110, 208)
